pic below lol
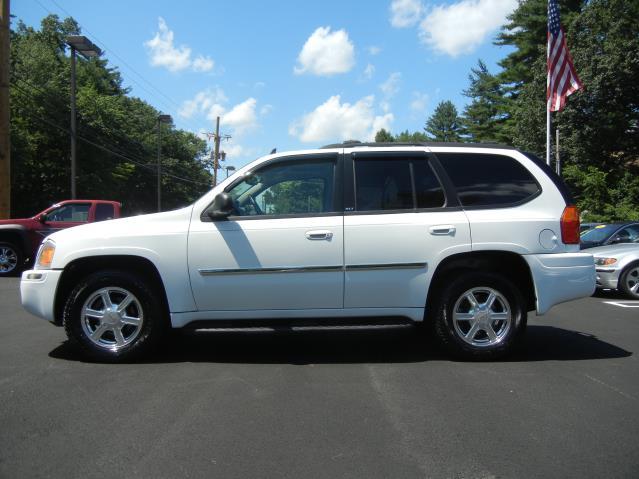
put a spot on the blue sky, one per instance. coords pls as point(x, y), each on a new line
point(290, 74)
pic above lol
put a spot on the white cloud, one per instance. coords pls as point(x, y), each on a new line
point(419, 102)
point(203, 64)
point(163, 52)
point(326, 53)
point(266, 109)
point(337, 121)
point(203, 102)
point(241, 117)
point(405, 13)
point(369, 71)
point(391, 86)
point(461, 27)
point(374, 50)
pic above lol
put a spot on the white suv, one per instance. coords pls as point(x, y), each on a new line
point(466, 237)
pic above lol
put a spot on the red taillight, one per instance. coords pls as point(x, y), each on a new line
point(570, 225)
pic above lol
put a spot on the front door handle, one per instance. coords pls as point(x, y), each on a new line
point(319, 235)
point(442, 230)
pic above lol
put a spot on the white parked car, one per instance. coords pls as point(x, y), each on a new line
point(618, 268)
point(470, 237)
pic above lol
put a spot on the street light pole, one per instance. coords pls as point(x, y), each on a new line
point(87, 49)
point(73, 163)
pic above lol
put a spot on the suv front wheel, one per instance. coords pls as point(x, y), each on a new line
point(480, 316)
point(114, 316)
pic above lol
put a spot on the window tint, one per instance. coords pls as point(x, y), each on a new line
point(284, 188)
point(383, 184)
point(76, 213)
point(395, 184)
point(104, 211)
point(482, 179)
point(428, 190)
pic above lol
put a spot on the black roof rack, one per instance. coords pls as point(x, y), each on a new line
point(352, 143)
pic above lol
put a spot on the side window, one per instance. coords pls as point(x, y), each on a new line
point(286, 188)
point(73, 213)
point(485, 179)
point(104, 211)
point(396, 183)
point(629, 234)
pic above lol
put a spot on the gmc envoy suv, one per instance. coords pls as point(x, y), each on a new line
point(467, 238)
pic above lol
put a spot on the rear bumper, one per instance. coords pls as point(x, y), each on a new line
point(37, 291)
point(561, 277)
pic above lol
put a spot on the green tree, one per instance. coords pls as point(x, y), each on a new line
point(384, 136)
point(444, 124)
point(415, 137)
point(599, 127)
point(117, 134)
point(485, 115)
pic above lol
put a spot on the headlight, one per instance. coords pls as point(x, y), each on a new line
point(605, 261)
point(45, 255)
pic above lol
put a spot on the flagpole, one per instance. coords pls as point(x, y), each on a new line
point(548, 127)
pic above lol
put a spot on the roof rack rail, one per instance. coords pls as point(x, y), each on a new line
point(355, 143)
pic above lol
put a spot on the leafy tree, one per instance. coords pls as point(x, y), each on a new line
point(415, 137)
point(599, 127)
point(117, 134)
point(484, 117)
point(384, 136)
point(444, 124)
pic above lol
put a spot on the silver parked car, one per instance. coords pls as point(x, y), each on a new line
point(618, 267)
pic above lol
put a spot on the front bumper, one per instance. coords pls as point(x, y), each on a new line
point(561, 277)
point(37, 290)
point(607, 278)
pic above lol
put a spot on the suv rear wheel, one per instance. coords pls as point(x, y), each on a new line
point(480, 316)
point(114, 316)
point(10, 259)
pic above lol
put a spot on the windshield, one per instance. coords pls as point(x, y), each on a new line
point(598, 233)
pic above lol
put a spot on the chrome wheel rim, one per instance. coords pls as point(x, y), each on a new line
point(482, 317)
point(632, 281)
point(112, 318)
point(8, 259)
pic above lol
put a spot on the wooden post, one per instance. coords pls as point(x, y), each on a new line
point(216, 157)
point(5, 145)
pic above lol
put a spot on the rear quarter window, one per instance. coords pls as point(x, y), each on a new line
point(483, 180)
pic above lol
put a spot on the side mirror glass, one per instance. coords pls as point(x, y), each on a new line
point(222, 207)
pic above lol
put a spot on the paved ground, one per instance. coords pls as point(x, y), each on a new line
point(325, 404)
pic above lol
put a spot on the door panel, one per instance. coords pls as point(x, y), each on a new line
point(267, 263)
point(389, 258)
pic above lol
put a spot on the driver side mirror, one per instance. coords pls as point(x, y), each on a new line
point(222, 207)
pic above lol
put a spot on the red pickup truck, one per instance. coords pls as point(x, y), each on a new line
point(20, 238)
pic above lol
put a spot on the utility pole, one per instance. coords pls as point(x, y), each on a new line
point(216, 157)
point(5, 147)
point(215, 154)
point(73, 132)
point(557, 158)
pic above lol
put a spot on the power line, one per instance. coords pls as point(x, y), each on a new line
point(105, 149)
point(84, 125)
point(111, 51)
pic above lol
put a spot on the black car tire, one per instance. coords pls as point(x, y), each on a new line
point(456, 334)
point(137, 341)
point(629, 279)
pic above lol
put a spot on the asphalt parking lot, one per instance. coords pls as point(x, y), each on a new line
point(305, 404)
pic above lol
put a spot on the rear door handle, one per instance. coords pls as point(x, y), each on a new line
point(319, 235)
point(442, 230)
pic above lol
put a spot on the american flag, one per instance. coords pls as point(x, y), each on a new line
point(562, 77)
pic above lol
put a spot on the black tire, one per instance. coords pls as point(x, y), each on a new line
point(11, 259)
point(478, 346)
point(629, 280)
point(134, 341)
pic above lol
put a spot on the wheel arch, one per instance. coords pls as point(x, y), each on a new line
point(82, 267)
point(508, 264)
point(17, 235)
